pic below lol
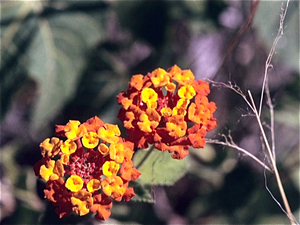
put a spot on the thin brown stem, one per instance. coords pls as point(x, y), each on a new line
point(245, 26)
point(235, 88)
point(272, 121)
point(232, 145)
point(278, 179)
point(265, 88)
point(271, 53)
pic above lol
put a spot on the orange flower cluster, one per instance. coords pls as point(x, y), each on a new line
point(87, 168)
point(169, 109)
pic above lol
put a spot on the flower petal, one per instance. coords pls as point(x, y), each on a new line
point(90, 140)
point(74, 183)
point(93, 185)
point(110, 168)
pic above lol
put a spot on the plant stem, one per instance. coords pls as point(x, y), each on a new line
point(278, 179)
point(232, 145)
point(271, 106)
point(272, 51)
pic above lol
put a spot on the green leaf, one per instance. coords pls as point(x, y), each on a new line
point(51, 45)
point(56, 57)
point(142, 192)
point(159, 168)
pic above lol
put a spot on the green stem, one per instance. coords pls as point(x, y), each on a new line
point(146, 157)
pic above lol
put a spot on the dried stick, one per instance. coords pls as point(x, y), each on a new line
point(245, 26)
point(235, 88)
point(265, 85)
point(233, 145)
point(265, 88)
point(278, 179)
point(272, 121)
point(272, 51)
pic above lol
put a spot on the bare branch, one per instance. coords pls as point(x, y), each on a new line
point(278, 179)
point(235, 88)
point(251, 104)
point(290, 216)
point(272, 128)
point(272, 51)
point(233, 145)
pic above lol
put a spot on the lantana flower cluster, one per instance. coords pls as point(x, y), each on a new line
point(88, 167)
point(89, 164)
point(169, 109)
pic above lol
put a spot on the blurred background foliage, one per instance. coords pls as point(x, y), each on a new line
point(63, 60)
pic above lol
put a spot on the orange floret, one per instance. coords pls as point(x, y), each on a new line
point(82, 201)
point(50, 147)
point(159, 77)
point(137, 81)
point(74, 130)
point(109, 133)
point(176, 126)
point(113, 186)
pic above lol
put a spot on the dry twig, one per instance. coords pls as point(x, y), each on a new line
point(270, 148)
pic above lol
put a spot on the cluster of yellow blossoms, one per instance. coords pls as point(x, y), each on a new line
point(169, 109)
point(88, 168)
point(91, 164)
